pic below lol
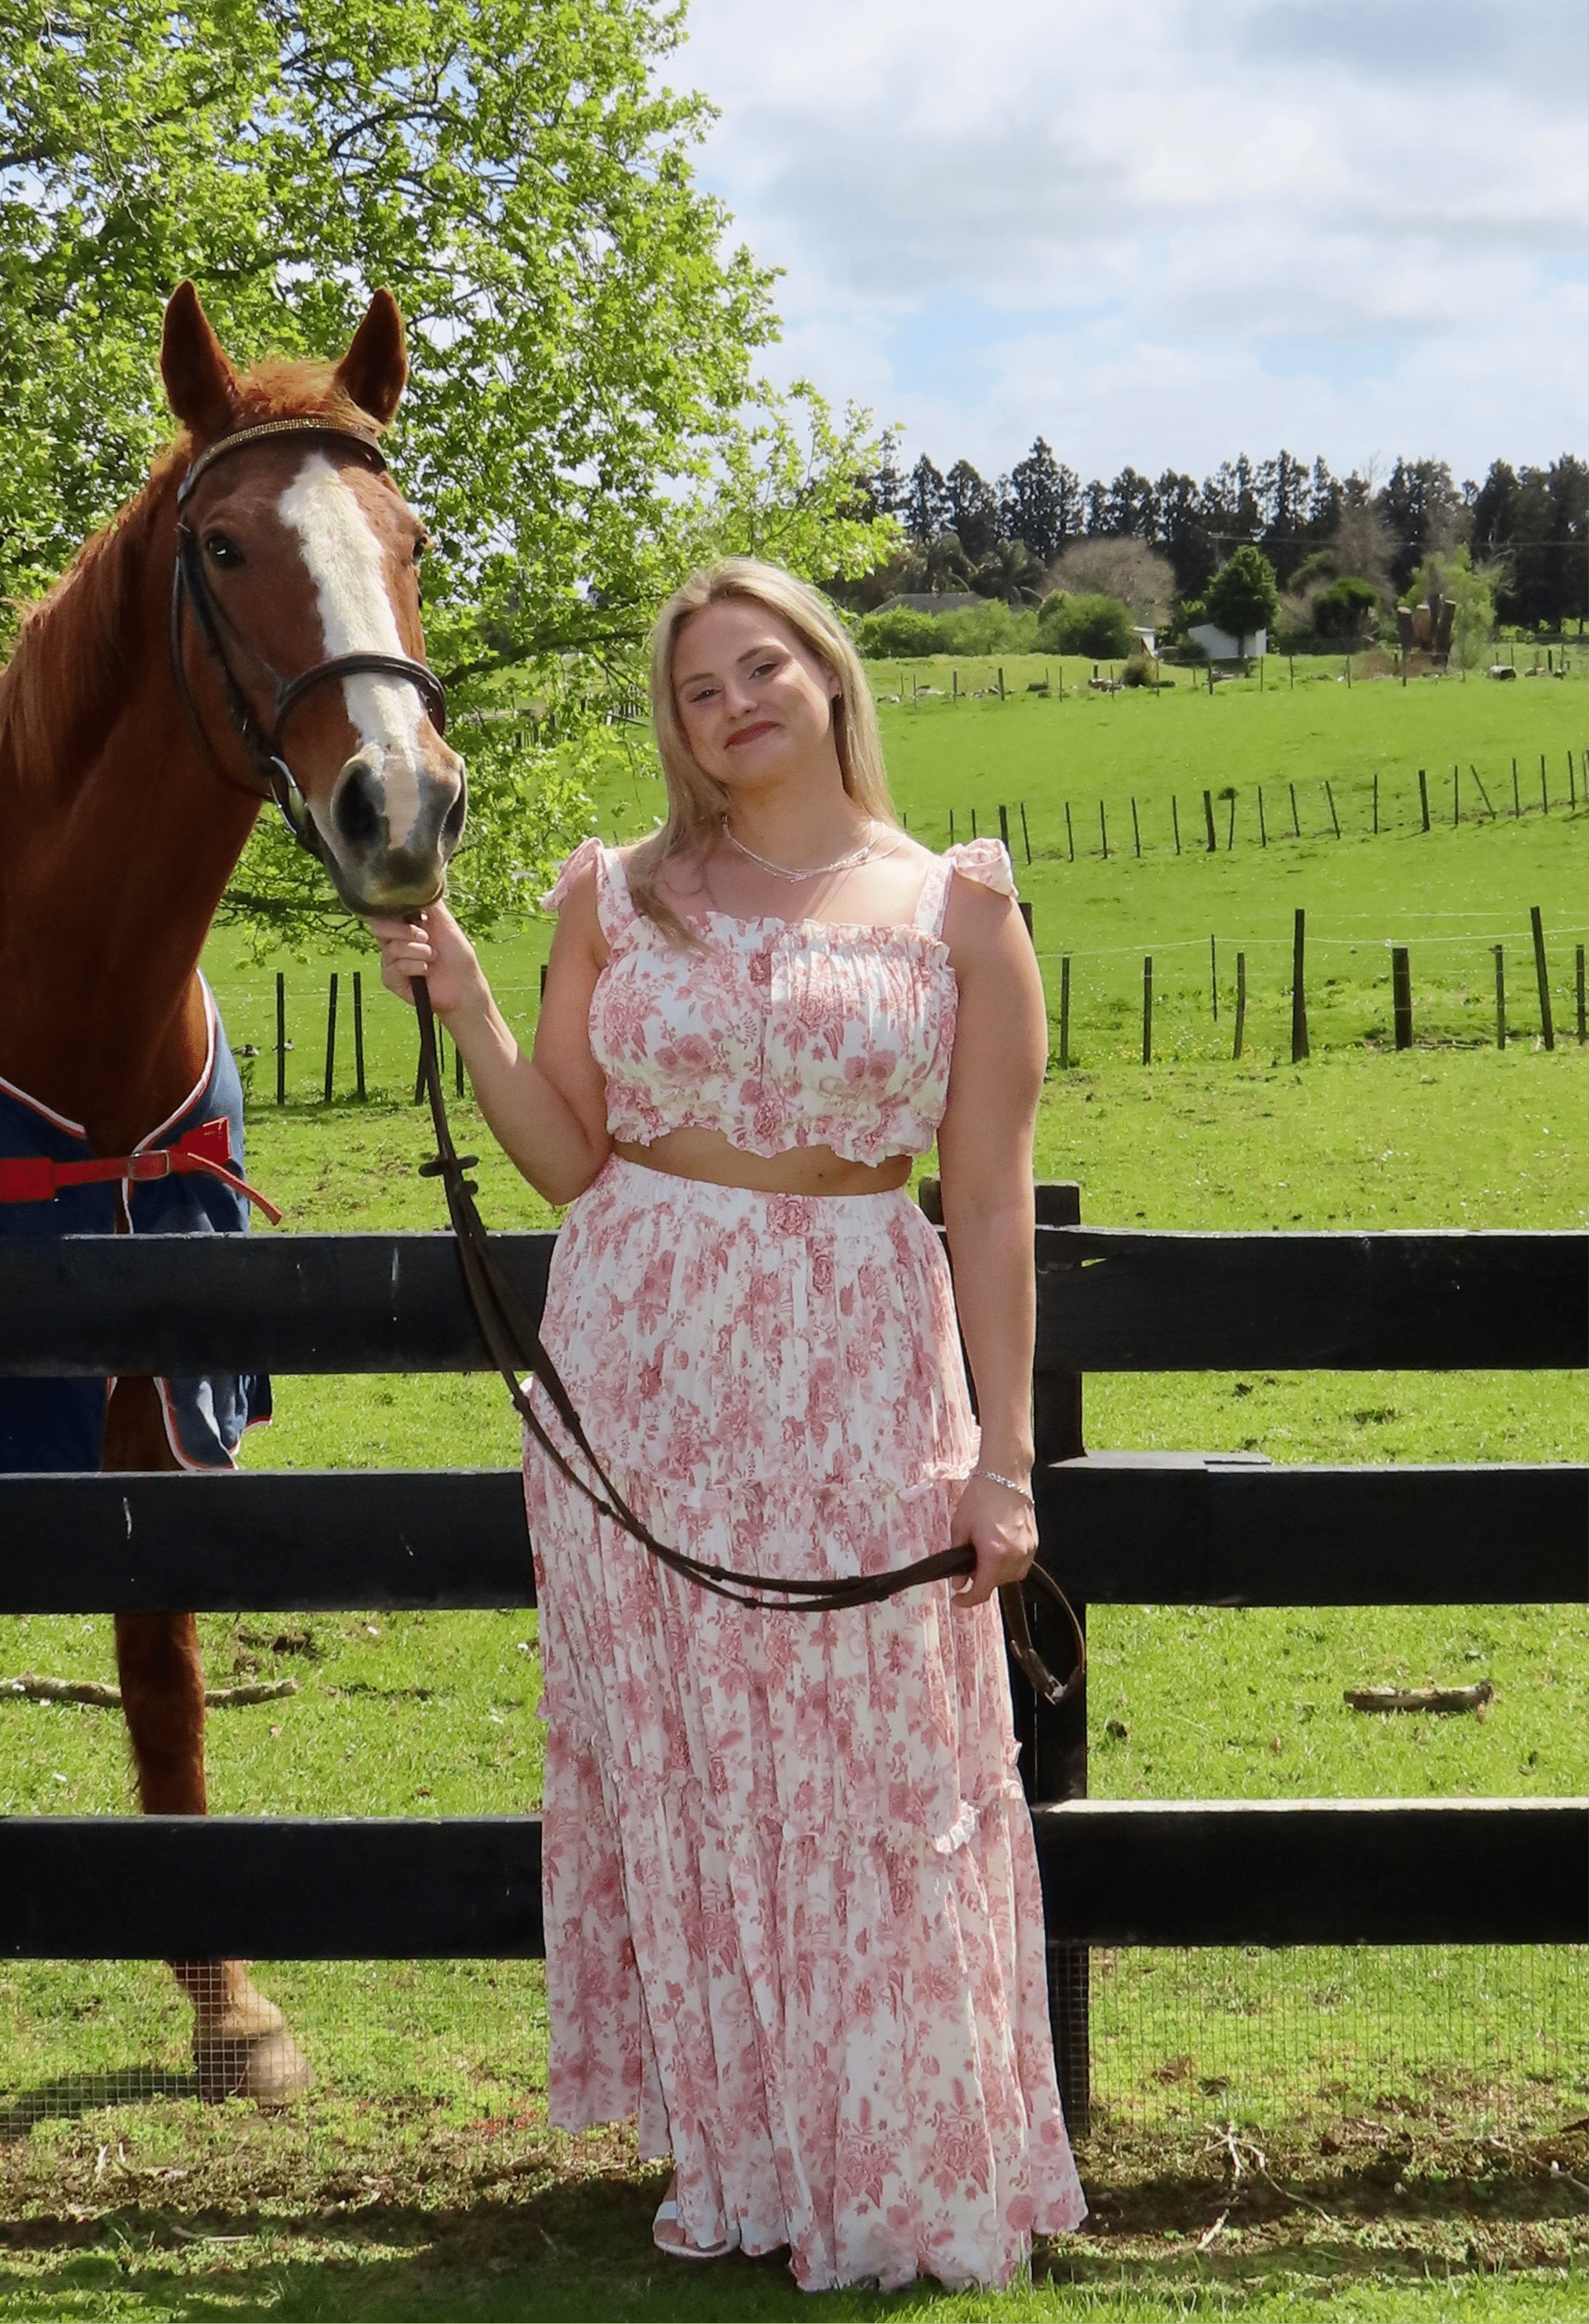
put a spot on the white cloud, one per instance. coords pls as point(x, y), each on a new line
point(1167, 233)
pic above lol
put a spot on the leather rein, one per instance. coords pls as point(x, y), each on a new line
point(510, 1337)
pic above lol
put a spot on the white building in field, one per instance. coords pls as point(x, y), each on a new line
point(1220, 646)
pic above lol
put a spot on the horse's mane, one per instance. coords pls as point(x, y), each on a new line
point(71, 657)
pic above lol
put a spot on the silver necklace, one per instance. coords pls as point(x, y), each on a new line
point(813, 871)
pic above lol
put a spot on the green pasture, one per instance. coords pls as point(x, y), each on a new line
point(1409, 2107)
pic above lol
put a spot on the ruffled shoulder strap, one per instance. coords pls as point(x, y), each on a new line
point(984, 861)
point(615, 907)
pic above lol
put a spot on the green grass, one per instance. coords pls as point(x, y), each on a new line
point(422, 2180)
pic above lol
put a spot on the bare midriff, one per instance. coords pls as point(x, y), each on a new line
point(709, 1156)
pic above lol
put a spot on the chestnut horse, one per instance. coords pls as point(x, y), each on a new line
point(133, 757)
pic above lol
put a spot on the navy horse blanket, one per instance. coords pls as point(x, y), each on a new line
point(185, 1178)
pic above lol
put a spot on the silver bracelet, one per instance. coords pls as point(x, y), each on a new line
point(1009, 1483)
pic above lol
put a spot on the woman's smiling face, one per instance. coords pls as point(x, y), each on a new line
point(753, 701)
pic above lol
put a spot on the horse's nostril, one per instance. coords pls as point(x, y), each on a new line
point(453, 823)
point(355, 812)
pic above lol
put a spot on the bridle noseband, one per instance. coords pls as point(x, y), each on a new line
point(191, 588)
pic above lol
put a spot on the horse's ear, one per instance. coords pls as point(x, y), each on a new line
point(200, 385)
point(374, 369)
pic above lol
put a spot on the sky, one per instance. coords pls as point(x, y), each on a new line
point(1163, 234)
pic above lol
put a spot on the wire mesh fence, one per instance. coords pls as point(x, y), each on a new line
point(1469, 2038)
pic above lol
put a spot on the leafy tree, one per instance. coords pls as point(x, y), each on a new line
point(1473, 594)
point(1243, 598)
point(583, 417)
point(974, 510)
point(1086, 623)
point(1126, 569)
point(1042, 503)
point(1425, 512)
point(928, 510)
point(1345, 609)
point(1009, 571)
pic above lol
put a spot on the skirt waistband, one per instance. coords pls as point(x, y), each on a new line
point(793, 1216)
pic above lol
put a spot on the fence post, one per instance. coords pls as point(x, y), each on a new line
point(1025, 834)
point(1069, 834)
point(1517, 797)
point(1484, 794)
point(1214, 977)
point(1175, 817)
point(1376, 802)
point(1136, 828)
point(1240, 1002)
point(1262, 827)
point(1148, 1009)
point(331, 1037)
point(1401, 994)
point(1423, 795)
point(1054, 1743)
point(1064, 1013)
point(974, 823)
point(281, 1039)
point(1298, 994)
point(1296, 818)
point(1103, 830)
point(1001, 686)
point(1544, 786)
point(358, 1033)
point(1335, 818)
point(1583, 1026)
point(1455, 796)
point(1541, 973)
point(1208, 819)
point(1500, 996)
point(1230, 832)
point(1004, 828)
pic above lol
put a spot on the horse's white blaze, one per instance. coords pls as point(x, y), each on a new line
point(345, 563)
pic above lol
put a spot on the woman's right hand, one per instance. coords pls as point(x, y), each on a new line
point(432, 946)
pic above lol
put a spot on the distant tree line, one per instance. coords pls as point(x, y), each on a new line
point(1002, 538)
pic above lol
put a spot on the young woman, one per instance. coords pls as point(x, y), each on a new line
point(792, 1909)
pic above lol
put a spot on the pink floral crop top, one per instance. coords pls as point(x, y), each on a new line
point(782, 1033)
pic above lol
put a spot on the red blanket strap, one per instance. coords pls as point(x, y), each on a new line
point(204, 1152)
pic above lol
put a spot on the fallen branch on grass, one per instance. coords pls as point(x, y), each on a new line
point(109, 1698)
point(1421, 1698)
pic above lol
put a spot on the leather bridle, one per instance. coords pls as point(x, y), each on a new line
point(190, 590)
point(505, 1325)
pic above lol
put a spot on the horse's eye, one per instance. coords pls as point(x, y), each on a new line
point(421, 543)
point(222, 549)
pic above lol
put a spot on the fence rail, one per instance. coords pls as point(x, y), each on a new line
point(1186, 1528)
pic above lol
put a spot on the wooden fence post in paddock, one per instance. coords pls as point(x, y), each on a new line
point(954, 686)
point(1054, 1743)
point(1262, 827)
point(1214, 977)
point(1136, 828)
point(974, 823)
point(1241, 1004)
point(1065, 1013)
point(1230, 829)
point(1484, 794)
point(1500, 996)
point(1330, 799)
point(1004, 828)
point(1455, 797)
point(1376, 802)
point(281, 1039)
point(1024, 907)
point(1583, 1026)
point(331, 1037)
point(1208, 821)
point(1069, 832)
point(1517, 797)
point(1103, 830)
point(1025, 834)
point(1543, 975)
point(543, 979)
point(1148, 1009)
point(1001, 686)
point(1175, 817)
point(1401, 994)
point(1296, 818)
point(358, 1034)
point(1571, 787)
point(1544, 785)
point(1298, 990)
point(1423, 795)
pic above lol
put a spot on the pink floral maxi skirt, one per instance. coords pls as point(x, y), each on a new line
point(792, 1911)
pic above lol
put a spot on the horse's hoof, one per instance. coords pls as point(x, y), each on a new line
point(268, 2068)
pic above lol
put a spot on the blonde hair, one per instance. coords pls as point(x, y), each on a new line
point(696, 802)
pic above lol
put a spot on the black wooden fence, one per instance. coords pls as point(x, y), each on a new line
point(1176, 1528)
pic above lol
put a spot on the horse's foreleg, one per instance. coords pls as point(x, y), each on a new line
point(241, 2045)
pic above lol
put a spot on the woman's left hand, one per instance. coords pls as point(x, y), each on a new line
point(1003, 1529)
